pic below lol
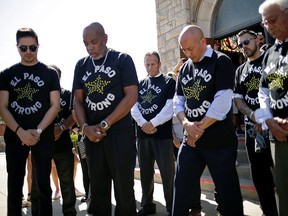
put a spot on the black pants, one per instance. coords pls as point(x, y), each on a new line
point(16, 157)
point(221, 164)
point(85, 175)
point(112, 159)
point(261, 170)
point(64, 162)
point(41, 169)
point(161, 150)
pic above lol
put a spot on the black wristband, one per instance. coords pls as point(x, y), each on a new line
point(17, 129)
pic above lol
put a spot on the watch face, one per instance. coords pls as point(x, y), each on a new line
point(104, 125)
point(39, 130)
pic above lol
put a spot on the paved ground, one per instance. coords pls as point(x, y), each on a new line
point(251, 208)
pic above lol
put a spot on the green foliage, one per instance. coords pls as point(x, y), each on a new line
point(74, 138)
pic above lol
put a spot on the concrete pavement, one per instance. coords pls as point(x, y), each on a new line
point(251, 208)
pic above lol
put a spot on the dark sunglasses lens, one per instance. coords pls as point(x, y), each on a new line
point(246, 42)
point(23, 48)
point(32, 48)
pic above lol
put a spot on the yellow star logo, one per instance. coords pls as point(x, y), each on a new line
point(97, 85)
point(252, 84)
point(277, 79)
point(149, 97)
point(194, 90)
point(26, 92)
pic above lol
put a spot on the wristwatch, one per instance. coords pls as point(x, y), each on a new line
point(104, 125)
point(39, 130)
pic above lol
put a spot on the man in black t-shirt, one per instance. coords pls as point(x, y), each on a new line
point(246, 99)
point(203, 104)
point(30, 99)
point(63, 156)
point(105, 89)
point(273, 94)
point(153, 114)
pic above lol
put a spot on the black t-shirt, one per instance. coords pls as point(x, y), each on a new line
point(247, 81)
point(212, 74)
point(29, 90)
point(275, 78)
point(153, 93)
point(64, 142)
point(103, 85)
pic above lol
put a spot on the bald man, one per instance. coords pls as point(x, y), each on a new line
point(105, 88)
point(203, 104)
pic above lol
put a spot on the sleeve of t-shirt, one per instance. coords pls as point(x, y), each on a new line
point(128, 71)
point(2, 82)
point(225, 73)
point(55, 83)
point(263, 81)
point(237, 87)
point(77, 72)
point(179, 90)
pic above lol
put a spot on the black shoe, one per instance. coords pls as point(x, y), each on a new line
point(85, 199)
point(144, 212)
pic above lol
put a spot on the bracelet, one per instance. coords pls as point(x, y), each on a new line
point(250, 116)
point(83, 126)
point(17, 129)
point(62, 127)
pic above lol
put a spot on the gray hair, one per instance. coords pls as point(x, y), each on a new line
point(283, 4)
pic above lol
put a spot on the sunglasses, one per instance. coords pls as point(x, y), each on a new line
point(246, 42)
point(32, 48)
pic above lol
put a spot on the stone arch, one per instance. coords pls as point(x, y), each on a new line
point(205, 15)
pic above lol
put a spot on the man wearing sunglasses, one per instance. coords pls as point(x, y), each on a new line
point(30, 100)
point(246, 99)
point(273, 94)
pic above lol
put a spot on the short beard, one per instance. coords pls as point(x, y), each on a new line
point(102, 54)
point(252, 52)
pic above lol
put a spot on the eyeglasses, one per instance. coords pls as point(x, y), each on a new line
point(272, 21)
point(246, 42)
point(265, 22)
point(24, 48)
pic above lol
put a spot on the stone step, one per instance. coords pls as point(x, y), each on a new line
point(242, 156)
point(241, 142)
point(243, 171)
point(247, 187)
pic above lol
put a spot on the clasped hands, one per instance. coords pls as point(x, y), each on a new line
point(94, 132)
point(148, 128)
point(28, 137)
point(194, 132)
point(278, 127)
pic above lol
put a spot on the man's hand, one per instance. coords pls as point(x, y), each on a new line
point(193, 129)
point(93, 132)
point(148, 128)
point(278, 128)
point(57, 132)
point(28, 137)
point(191, 140)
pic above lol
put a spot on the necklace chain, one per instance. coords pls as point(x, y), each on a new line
point(103, 61)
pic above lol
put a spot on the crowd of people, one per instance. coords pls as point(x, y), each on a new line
point(180, 120)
